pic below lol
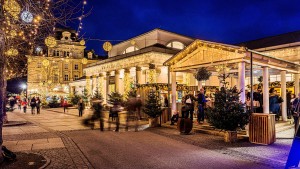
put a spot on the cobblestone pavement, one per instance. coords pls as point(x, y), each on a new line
point(274, 155)
point(43, 135)
point(76, 146)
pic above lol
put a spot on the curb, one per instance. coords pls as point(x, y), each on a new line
point(47, 163)
point(11, 123)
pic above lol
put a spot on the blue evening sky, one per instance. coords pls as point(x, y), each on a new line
point(227, 21)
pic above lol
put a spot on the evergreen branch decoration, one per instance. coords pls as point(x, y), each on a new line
point(202, 74)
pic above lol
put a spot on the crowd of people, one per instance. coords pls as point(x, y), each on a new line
point(22, 104)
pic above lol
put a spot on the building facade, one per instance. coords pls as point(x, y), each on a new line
point(50, 74)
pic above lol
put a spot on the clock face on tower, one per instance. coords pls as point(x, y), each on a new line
point(26, 16)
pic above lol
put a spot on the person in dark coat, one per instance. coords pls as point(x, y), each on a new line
point(201, 104)
point(32, 104)
point(188, 101)
point(296, 113)
point(274, 103)
point(80, 105)
point(288, 104)
point(38, 105)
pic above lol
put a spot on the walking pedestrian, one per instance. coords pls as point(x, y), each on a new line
point(114, 111)
point(201, 105)
point(288, 104)
point(296, 108)
point(80, 107)
point(65, 104)
point(32, 104)
point(188, 101)
point(274, 103)
point(38, 105)
point(19, 103)
point(24, 104)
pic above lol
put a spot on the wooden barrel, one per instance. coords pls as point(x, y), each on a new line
point(185, 125)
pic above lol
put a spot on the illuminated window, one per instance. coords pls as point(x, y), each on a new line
point(56, 53)
point(66, 78)
point(66, 66)
point(66, 53)
point(176, 45)
point(76, 77)
point(130, 49)
point(76, 66)
point(55, 79)
point(39, 65)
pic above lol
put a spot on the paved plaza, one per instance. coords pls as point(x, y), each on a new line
point(68, 144)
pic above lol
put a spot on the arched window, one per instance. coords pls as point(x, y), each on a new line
point(176, 45)
point(130, 49)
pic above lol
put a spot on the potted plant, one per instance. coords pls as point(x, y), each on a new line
point(153, 108)
point(228, 112)
point(202, 74)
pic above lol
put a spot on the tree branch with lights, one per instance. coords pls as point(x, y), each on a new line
point(25, 24)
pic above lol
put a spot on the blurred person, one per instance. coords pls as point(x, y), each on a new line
point(19, 103)
point(296, 113)
point(38, 105)
point(80, 105)
point(65, 105)
point(24, 104)
point(32, 104)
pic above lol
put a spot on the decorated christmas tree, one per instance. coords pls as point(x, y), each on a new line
point(152, 105)
point(53, 102)
point(97, 95)
point(115, 98)
point(228, 112)
point(75, 98)
point(85, 96)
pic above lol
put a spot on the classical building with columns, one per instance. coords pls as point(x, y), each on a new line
point(170, 60)
point(49, 74)
point(138, 60)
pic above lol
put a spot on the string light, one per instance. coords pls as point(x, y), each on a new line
point(84, 2)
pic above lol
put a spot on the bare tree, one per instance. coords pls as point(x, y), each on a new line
point(24, 25)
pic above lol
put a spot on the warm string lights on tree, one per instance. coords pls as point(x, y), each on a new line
point(80, 26)
point(25, 24)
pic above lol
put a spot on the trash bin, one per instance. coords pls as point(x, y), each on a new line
point(262, 128)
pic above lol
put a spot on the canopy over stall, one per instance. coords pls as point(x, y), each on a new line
point(236, 59)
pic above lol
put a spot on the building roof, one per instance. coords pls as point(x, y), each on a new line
point(276, 40)
point(59, 31)
point(154, 48)
point(153, 30)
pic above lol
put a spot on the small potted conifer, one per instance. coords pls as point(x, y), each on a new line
point(153, 108)
point(228, 113)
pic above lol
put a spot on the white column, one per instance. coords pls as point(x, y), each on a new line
point(138, 75)
point(173, 84)
point(296, 84)
point(199, 85)
point(126, 81)
point(283, 95)
point(241, 81)
point(94, 83)
point(117, 82)
point(107, 85)
point(266, 90)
